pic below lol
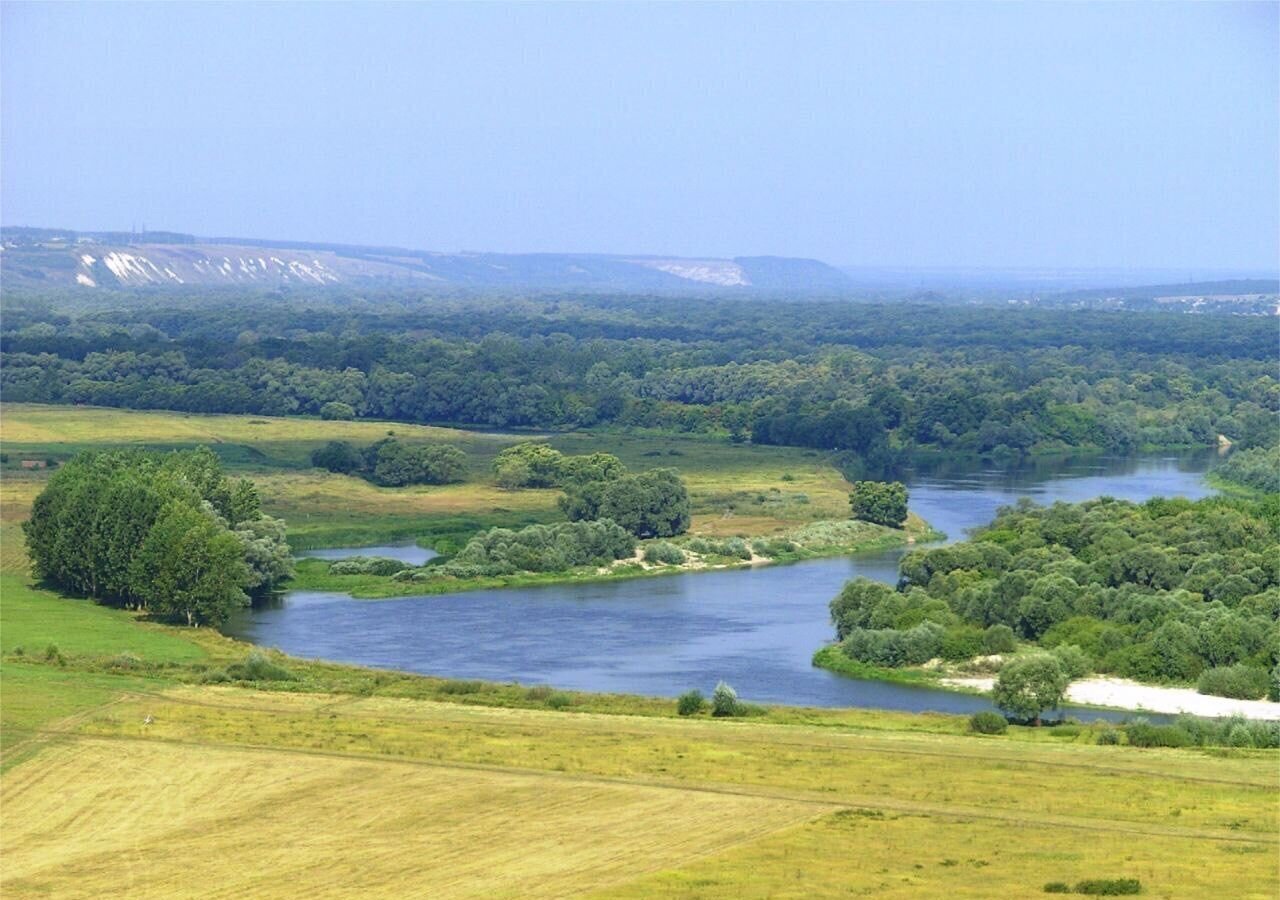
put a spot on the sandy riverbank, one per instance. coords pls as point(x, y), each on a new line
point(1123, 694)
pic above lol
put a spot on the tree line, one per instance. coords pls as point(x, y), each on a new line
point(876, 381)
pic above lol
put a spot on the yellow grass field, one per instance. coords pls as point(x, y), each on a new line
point(176, 821)
point(33, 423)
point(234, 793)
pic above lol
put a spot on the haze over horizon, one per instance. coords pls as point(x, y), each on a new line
point(1072, 136)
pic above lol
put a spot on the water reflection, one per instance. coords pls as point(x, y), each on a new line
point(407, 553)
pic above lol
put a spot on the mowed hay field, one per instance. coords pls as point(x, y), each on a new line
point(102, 818)
point(235, 793)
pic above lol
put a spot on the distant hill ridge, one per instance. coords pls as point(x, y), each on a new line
point(52, 257)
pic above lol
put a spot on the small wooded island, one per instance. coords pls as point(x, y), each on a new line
point(620, 525)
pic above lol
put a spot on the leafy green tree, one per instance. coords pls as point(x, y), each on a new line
point(857, 603)
point(395, 464)
point(335, 410)
point(190, 568)
point(529, 464)
point(338, 456)
point(200, 470)
point(128, 511)
point(879, 502)
point(591, 467)
point(513, 473)
point(1028, 686)
point(1074, 661)
point(650, 504)
point(266, 553)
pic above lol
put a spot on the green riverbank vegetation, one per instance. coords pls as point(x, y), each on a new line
point(1166, 591)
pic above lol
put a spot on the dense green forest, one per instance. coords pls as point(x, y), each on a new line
point(876, 380)
point(166, 533)
point(1167, 590)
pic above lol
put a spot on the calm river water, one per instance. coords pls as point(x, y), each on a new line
point(754, 628)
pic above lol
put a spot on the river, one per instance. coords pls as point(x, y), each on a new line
point(756, 628)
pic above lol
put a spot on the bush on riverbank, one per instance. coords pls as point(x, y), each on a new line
point(988, 722)
point(735, 547)
point(690, 703)
point(367, 565)
point(541, 548)
point(1158, 591)
point(1238, 682)
point(664, 553)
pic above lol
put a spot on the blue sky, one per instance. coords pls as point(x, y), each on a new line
point(1074, 135)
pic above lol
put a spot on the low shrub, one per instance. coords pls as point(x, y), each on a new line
point(732, 547)
point(1231, 732)
point(1057, 887)
point(999, 639)
point(367, 565)
point(1240, 682)
point(257, 667)
point(1109, 887)
point(774, 548)
point(724, 701)
point(456, 686)
point(664, 553)
point(961, 642)
point(690, 703)
point(1239, 736)
point(735, 546)
point(559, 700)
point(541, 548)
point(1108, 737)
point(988, 722)
point(1065, 731)
point(538, 692)
point(1144, 734)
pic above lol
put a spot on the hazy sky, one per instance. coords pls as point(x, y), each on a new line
point(1098, 135)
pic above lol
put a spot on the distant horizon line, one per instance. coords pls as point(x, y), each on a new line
point(1191, 274)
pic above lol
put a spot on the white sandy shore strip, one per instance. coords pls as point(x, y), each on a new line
point(1123, 694)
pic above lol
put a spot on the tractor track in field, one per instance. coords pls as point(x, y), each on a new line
point(819, 803)
point(737, 731)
